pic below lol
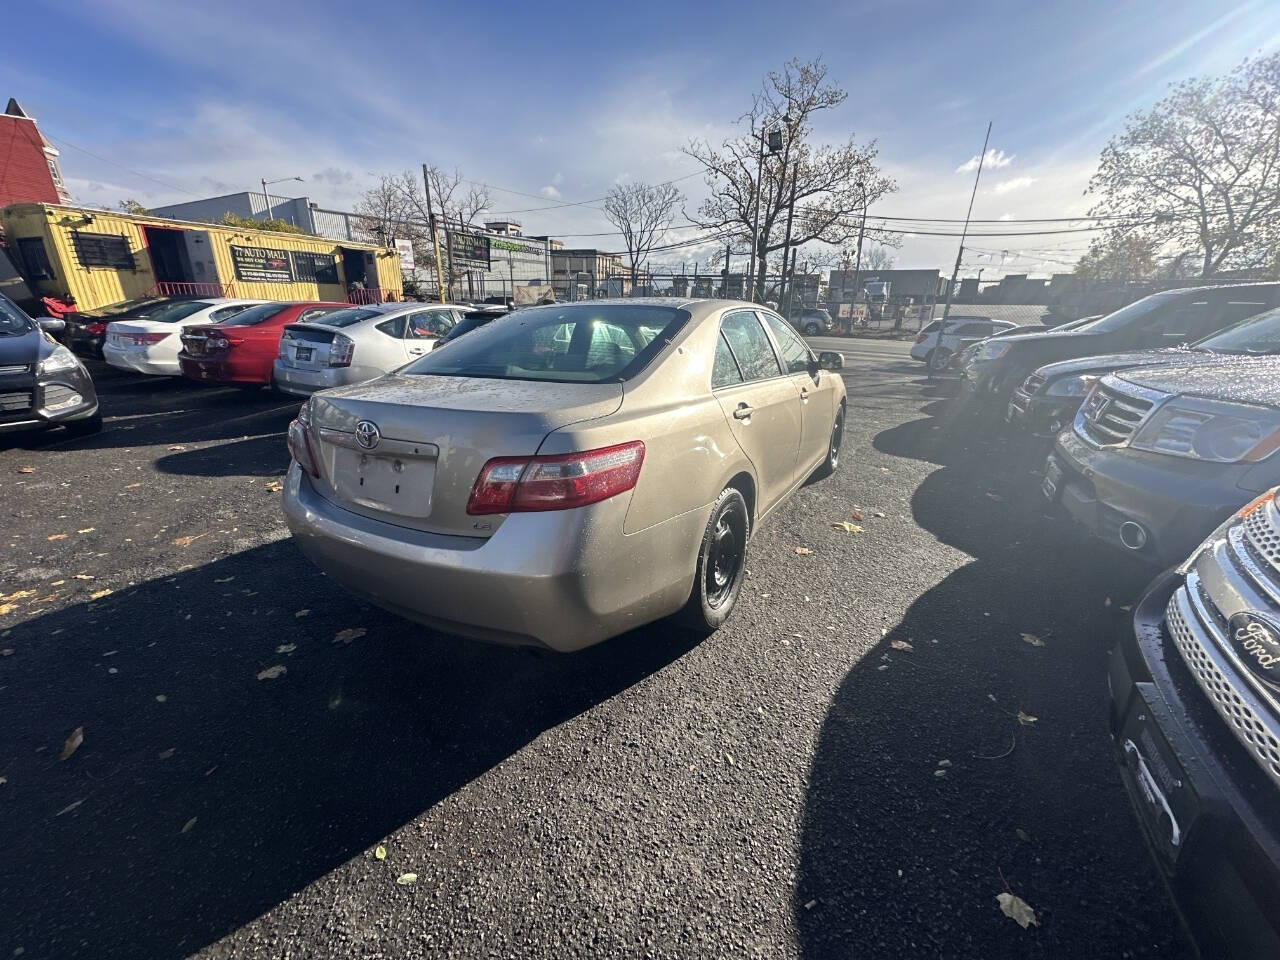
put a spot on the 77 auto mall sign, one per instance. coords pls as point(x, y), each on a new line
point(468, 249)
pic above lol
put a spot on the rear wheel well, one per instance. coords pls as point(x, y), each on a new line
point(747, 487)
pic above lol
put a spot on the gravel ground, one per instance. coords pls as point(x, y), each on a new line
point(839, 772)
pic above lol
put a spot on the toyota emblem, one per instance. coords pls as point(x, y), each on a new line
point(367, 434)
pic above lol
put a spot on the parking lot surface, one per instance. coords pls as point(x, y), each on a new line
point(893, 729)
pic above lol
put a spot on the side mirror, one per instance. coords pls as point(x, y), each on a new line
point(50, 325)
point(830, 360)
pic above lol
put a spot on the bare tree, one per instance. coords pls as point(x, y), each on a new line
point(1200, 171)
point(832, 184)
point(877, 258)
point(384, 216)
point(1120, 255)
point(643, 213)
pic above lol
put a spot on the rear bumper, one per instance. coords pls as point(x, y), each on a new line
point(1177, 502)
point(1189, 779)
point(561, 579)
point(223, 370)
point(303, 383)
point(138, 361)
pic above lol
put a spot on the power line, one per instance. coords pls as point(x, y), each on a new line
point(558, 206)
point(136, 173)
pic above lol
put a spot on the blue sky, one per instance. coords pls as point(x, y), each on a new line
point(177, 100)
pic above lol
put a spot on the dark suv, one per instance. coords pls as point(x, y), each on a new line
point(1159, 456)
point(1166, 319)
point(1195, 717)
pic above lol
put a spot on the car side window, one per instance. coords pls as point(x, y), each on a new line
point(795, 355)
point(219, 315)
point(724, 371)
point(428, 323)
point(1181, 321)
point(750, 345)
point(314, 313)
point(392, 328)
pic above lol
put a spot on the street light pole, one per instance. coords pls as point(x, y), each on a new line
point(755, 228)
point(267, 197)
point(946, 310)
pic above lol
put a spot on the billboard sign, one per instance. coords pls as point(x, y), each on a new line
point(405, 249)
point(261, 265)
point(468, 249)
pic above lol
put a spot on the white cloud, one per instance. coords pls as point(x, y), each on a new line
point(550, 192)
point(1016, 183)
point(996, 159)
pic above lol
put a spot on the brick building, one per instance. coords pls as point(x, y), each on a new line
point(29, 171)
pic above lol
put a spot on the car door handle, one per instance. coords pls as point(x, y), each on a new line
point(743, 412)
point(417, 350)
point(804, 394)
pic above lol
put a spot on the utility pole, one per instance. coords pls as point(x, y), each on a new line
point(965, 232)
point(435, 235)
point(786, 241)
point(791, 286)
point(728, 252)
point(862, 232)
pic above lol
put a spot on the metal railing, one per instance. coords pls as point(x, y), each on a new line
point(365, 296)
point(168, 288)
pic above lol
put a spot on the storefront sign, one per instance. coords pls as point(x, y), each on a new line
point(469, 249)
point(260, 265)
point(405, 249)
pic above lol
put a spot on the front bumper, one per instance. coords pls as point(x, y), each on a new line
point(139, 361)
point(61, 398)
point(1209, 815)
point(1177, 502)
point(562, 579)
point(1041, 416)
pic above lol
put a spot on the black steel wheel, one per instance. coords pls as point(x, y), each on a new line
point(832, 463)
point(722, 563)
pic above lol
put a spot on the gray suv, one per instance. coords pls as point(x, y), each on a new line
point(1159, 456)
point(811, 321)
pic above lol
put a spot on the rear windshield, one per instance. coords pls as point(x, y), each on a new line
point(578, 343)
point(179, 310)
point(345, 318)
point(247, 318)
point(1257, 335)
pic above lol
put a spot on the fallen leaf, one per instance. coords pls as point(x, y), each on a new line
point(1032, 639)
point(161, 698)
point(944, 763)
point(130, 486)
point(301, 613)
point(49, 599)
point(68, 808)
point(883, 666)
point(73, 743)
point(58, 536)
point(87, 530)
point(84, 576)
point(857, 515)
point(99, 594)
point(7, 608)
point(901, 645)
point(186, 827)
point(186, 541)
point(1016, 908)
point(224, 580)
point(803, 551)
point(728, 758)
point(286, 648)
point(57, 583)
point(177, 446)
point(3, 781)
point(346, 636)
point(166, 754)
point(26, 469)
point(6, 652)
point(380, 852)
point(940, 773)
point(847, 527)
point(272, 672)
point(1026, 719)
point(1022, 835)
point(995, 496)
point(18, 595)
point(407, 879)
point(811, 904)
point(275, 486)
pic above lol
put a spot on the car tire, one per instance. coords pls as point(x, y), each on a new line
point(928, 359)
point(722, 564)
point(938, 360)
point(832, 463)
point(84, 428)
point(812, 330)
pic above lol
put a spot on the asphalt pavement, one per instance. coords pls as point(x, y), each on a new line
point(892, 730)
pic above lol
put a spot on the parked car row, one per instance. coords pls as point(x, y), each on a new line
point(1162, 422)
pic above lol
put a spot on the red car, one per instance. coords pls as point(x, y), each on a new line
point(242, 348)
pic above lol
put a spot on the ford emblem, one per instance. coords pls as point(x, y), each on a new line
point(1256, 639)
point(367, 434)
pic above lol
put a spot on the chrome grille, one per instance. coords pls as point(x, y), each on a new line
point(1251, 724)
point(1111, 416)
point(1262, 528)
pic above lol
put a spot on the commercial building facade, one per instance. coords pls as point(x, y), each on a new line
point(29, 169)
point(100, 257)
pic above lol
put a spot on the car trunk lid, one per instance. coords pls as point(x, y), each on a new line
point(433, 435)
point(306, 347)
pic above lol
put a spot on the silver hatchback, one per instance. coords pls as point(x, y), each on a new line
point(568, 472)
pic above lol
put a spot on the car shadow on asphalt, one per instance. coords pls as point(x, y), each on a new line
point(929, 795)
point(237, 746)
point(261, 456)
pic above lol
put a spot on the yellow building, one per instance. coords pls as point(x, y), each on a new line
point(102, 257)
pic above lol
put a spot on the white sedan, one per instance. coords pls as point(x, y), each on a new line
point(358, 344)
point(152, 345)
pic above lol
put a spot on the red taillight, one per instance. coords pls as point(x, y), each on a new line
point(95, 329)
point(341, 351)
point(221, 341)
point(922, 338)
point(525, 484)
point(300, 448)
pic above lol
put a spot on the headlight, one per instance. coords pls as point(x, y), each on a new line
point(1072, 386)
point(1207, 430)
point(60, 360)
point(993, 351)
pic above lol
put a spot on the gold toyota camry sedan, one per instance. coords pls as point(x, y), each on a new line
point(568, 472)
